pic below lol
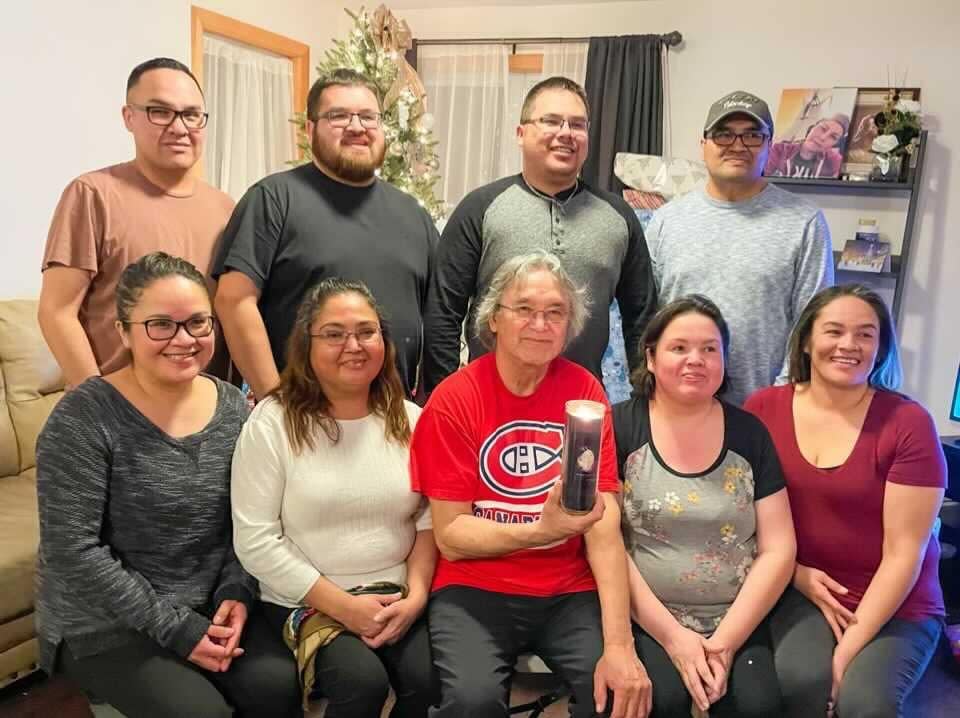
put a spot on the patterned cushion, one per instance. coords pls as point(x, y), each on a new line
point(616, 372)
point(643, 200)
point(669, 177)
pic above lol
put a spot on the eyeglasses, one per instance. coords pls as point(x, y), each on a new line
point(554, 124)
point(726, 138)
point(342, 118)
point(527, 314)
point(166, 116)
point(165, 329)
point(338, 337)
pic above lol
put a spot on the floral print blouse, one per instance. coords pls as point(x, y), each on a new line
point(693, 536)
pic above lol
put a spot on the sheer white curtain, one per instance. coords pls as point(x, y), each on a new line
point(466, 94)
point(476, 103)
point(568, 59)
point(249, 96)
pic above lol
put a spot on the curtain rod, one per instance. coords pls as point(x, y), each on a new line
point(671, 39)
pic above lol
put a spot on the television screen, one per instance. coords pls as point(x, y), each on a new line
point(955, 404)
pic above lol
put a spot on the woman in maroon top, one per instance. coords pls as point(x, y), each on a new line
point(866, 476)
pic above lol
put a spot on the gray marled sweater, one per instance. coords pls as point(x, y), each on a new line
point(135, 529)
point(759, 260)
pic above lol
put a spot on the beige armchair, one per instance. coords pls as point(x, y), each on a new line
point(30, 385)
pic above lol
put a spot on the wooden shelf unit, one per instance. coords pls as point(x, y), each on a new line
point(899, 264)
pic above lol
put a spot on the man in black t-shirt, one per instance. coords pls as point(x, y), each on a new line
point(330, 218)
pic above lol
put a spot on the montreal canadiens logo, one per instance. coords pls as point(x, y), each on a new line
point(522, 459)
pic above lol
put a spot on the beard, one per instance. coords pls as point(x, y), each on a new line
point(346, 165)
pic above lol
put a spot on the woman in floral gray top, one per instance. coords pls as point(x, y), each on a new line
point(706, 523)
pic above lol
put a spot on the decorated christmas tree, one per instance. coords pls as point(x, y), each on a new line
point(375, 47)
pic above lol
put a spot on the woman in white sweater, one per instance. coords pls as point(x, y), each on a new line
point(324, 516)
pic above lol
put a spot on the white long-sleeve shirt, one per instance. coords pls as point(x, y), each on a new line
point(344, 511)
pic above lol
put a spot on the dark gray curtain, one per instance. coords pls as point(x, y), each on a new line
point(625, 88)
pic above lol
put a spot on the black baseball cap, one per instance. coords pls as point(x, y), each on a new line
point(739, 102)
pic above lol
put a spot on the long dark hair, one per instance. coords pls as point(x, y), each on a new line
point(886, 373)
point(643, 380)
point(305, 406)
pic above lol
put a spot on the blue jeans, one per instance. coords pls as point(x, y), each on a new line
point(878, 680)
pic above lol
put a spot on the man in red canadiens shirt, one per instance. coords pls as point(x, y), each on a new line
point(516, 573)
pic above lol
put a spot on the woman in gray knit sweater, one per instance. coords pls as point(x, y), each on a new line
point(141, 599)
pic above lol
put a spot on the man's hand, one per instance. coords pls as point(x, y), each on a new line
point(232, 614)
point(819, 588)
point(396, 620)
point(619, 670)
point(557, 525)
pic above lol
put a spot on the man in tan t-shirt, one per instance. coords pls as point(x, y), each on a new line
point(111, 217)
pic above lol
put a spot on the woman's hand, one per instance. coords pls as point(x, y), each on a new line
point(686, 650)
point(817, 586)
point(396, 620)
point(210, 651)
point(719, 660)
point(363, 613)
point(232, 614)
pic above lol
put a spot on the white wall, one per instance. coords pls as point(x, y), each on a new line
point(65, 72)
point(66, 64)
point(808, 43)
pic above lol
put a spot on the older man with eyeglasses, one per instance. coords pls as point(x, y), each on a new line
point(112, 217)
point(757, 251)
point(517, 573)
point(330, 218)
point(546, 207)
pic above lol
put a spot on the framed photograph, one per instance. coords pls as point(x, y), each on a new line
point(870, 101)
point(811, 132)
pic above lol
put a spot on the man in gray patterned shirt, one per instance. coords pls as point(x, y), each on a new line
point(758, 251)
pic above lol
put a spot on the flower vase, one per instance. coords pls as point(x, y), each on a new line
point(886, 167)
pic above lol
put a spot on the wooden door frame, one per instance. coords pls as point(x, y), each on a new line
point(205, 21)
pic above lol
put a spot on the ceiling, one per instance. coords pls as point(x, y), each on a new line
point(440, 4)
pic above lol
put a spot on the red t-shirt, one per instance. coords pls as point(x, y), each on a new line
point(476, 441)
point(838, 512)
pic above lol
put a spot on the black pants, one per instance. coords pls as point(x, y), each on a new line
point(143, 680)
point(752, 690)
point(356, 679)
point(477, 635)
point(878, 680)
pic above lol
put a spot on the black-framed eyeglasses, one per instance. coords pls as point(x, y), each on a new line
point(367, 334)
point(161, 330)
point(528, 314)
point(555, 123)
point(726, 138)
point(342, 118)
point(165, 116)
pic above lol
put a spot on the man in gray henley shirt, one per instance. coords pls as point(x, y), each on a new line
point(547, 206)
point(759, 252)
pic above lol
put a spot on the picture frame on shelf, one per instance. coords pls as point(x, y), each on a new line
point(811, 132)
point(858, 160)
point(863, 255)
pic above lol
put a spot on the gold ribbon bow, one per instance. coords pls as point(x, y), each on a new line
point(392, 35)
